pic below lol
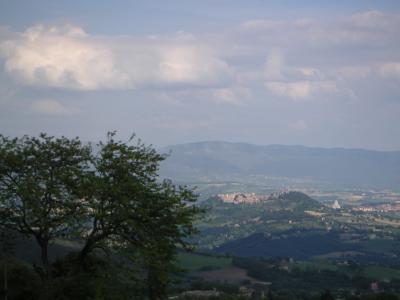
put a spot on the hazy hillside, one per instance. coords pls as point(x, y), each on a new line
point(210, 161)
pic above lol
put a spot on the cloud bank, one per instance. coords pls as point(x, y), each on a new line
point(304, 58)
point(67, 57)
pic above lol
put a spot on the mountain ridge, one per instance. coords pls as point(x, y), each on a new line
point(299, 146)
point(243, 162)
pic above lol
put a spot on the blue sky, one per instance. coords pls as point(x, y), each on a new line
point(318, 73)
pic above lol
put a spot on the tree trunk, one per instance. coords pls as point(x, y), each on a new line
point(44, 271)
point(5, 281)
point(45, 258)
point(90, 245)
point(84, 252)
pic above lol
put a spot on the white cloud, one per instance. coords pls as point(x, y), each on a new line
point(62, 57)
point(67, 57)
point(301, 90)
point(297, 83)
point(372, 28)
point(190, 64)
point(233, 95)
point(309, 72)
point(390, 70)
point(52, 107)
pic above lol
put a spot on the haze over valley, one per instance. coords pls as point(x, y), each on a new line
point(280, 165)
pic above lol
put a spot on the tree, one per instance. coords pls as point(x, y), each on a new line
point(171, 225)
point(132, 211)
point(123, 179)
point(39, 194)
point(110, 199)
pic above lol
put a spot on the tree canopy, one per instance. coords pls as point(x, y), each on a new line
point(107, 196)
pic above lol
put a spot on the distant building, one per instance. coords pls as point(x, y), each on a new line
point(200, 294)
point(239, 198)
point(336, 205)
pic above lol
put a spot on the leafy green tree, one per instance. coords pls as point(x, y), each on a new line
point(172, 224)
point(130, 210)
point(122, 179)
point(110, 199)
point(39, 180)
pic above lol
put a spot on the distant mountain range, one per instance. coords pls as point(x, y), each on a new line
point(280, 164)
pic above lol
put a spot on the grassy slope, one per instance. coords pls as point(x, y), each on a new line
point(194, 262)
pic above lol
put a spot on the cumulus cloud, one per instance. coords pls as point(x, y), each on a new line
point(52, 107)
point(62, 57)
point(67, 57)
point(308, 59)
point(354, 47)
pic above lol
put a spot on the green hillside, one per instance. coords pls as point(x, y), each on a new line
point(294, 225)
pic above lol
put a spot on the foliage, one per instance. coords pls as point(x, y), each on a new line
point(134, 213)
point(38, 187)
point(109, 199)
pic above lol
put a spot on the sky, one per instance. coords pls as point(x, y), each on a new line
point(314, 73)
